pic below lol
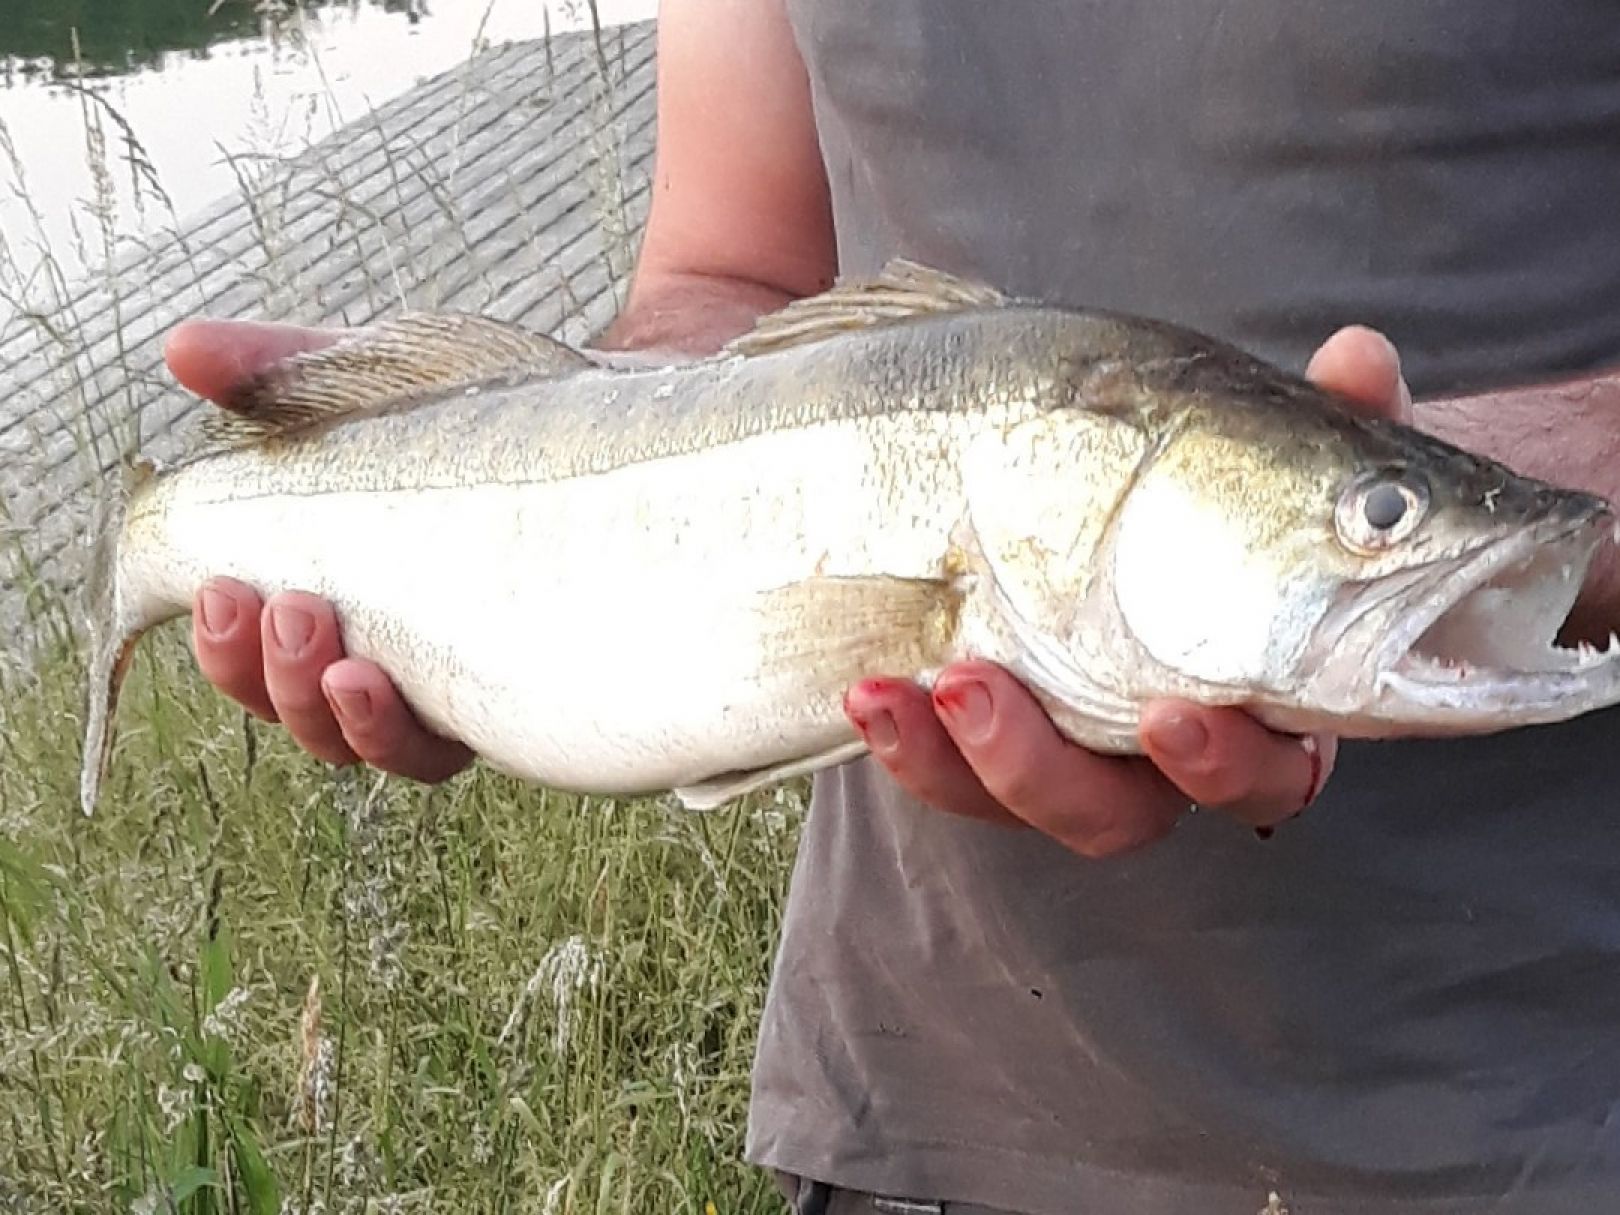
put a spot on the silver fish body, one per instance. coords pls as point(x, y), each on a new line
point(633, 580)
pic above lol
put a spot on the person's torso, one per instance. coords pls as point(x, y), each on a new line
point(1411, 994)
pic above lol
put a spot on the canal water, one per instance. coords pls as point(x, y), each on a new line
point(118, 115)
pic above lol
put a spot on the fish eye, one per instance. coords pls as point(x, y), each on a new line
point(1384, 506)
point(1378, 511)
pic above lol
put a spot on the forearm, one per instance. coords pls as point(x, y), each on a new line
point(688, 314)
point(1567, 433)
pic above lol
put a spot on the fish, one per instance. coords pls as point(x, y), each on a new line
point(634, 578)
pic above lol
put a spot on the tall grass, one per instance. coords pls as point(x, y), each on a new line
point(255, 984)
point(251, 983)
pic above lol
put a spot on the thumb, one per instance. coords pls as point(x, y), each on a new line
point(214, 358)
point(1362, 365)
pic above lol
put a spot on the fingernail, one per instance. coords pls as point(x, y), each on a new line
point(967, 704)
point(879, 730)
point(291, 629)
point(218, 612)
point(1181, 738)
point(876, 725)
point(351, 704)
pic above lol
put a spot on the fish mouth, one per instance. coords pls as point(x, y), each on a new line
point(1480, 641)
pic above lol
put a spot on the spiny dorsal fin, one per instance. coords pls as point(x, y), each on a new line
point(902, 289)
point(385, 365)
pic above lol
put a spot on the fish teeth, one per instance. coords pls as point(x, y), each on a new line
point(1590, 655)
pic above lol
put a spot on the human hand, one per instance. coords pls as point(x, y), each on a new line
point(982, 746)
point(283, 659)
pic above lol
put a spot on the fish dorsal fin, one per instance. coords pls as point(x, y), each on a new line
point(386, 365)
point(901, 290)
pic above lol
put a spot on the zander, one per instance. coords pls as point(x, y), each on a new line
point(624, 580)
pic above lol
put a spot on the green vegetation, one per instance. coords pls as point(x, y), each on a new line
point(253, 984)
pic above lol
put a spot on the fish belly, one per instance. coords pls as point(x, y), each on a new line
point(630, 630)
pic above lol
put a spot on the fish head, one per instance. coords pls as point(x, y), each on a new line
point(1352, 574)
point(1181, 519)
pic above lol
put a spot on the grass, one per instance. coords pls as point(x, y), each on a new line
point(254, 984)
point(251, 983)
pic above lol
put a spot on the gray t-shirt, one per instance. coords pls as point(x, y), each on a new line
point(1409, 999)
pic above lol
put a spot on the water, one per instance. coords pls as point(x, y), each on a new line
point(198, 83)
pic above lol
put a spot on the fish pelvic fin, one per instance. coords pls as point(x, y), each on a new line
point(713, 793)
point(113, 631)
point(902, 290)
point(386, 366)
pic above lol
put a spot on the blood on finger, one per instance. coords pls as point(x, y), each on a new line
point(1313, 752)
point(1313, 790)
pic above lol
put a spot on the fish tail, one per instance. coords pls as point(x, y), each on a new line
point(114, 629)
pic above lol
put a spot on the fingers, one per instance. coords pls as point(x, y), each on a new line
point(225, 634)
point(1095, 805)
point(981, 746)
point(380, 728)
point(213, 358)
point(1224, 759)
point(898, 722)
point(283, 661)
point(1363, 365)
point(299, 634)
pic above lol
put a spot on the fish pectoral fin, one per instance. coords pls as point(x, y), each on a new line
point(823, 634)
point(901, 290)
point(717, 791)
point(385, 366)
point(827, 631)
point(820, 635)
